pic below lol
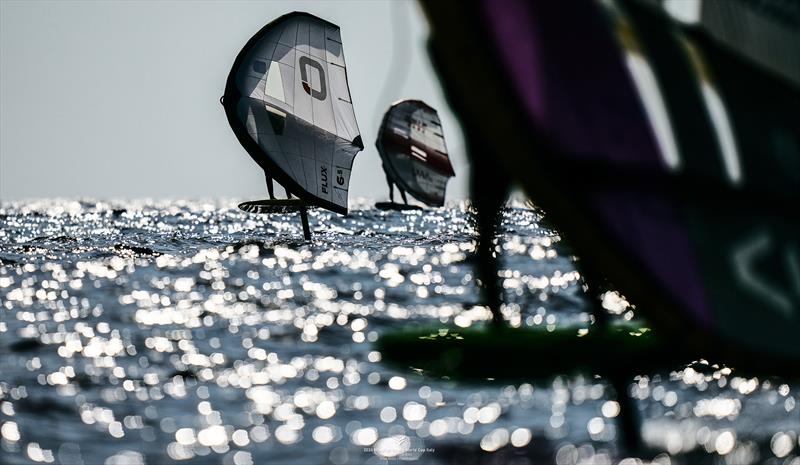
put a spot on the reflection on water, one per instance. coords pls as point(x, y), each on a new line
point(144, 332)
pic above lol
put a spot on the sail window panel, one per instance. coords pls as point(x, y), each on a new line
point(289, 34)
point(345, 118)
point(259, 66)
point(274, 83)
point(317, 40)
point(250, 81)
point(258, 59)
point(303, 31)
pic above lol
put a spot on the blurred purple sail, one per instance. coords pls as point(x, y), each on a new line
point(667, 154)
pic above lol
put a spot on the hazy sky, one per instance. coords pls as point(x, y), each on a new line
point(121, 99)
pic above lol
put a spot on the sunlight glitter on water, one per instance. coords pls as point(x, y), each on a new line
point(144, 332)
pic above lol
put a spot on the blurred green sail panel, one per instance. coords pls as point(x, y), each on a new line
point(528, 352)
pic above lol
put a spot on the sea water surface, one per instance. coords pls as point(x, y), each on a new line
point(144, 332)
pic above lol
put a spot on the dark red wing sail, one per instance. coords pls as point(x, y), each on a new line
point(412, 148)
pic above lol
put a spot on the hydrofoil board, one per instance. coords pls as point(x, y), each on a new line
point(273, 206)
point(531, 352)
point(396, 206)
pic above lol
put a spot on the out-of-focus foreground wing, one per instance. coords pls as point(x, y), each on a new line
point(669, 158)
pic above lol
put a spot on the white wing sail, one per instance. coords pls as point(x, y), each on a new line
point(288, 102)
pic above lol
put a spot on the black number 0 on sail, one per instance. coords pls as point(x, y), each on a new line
point(288, 102)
